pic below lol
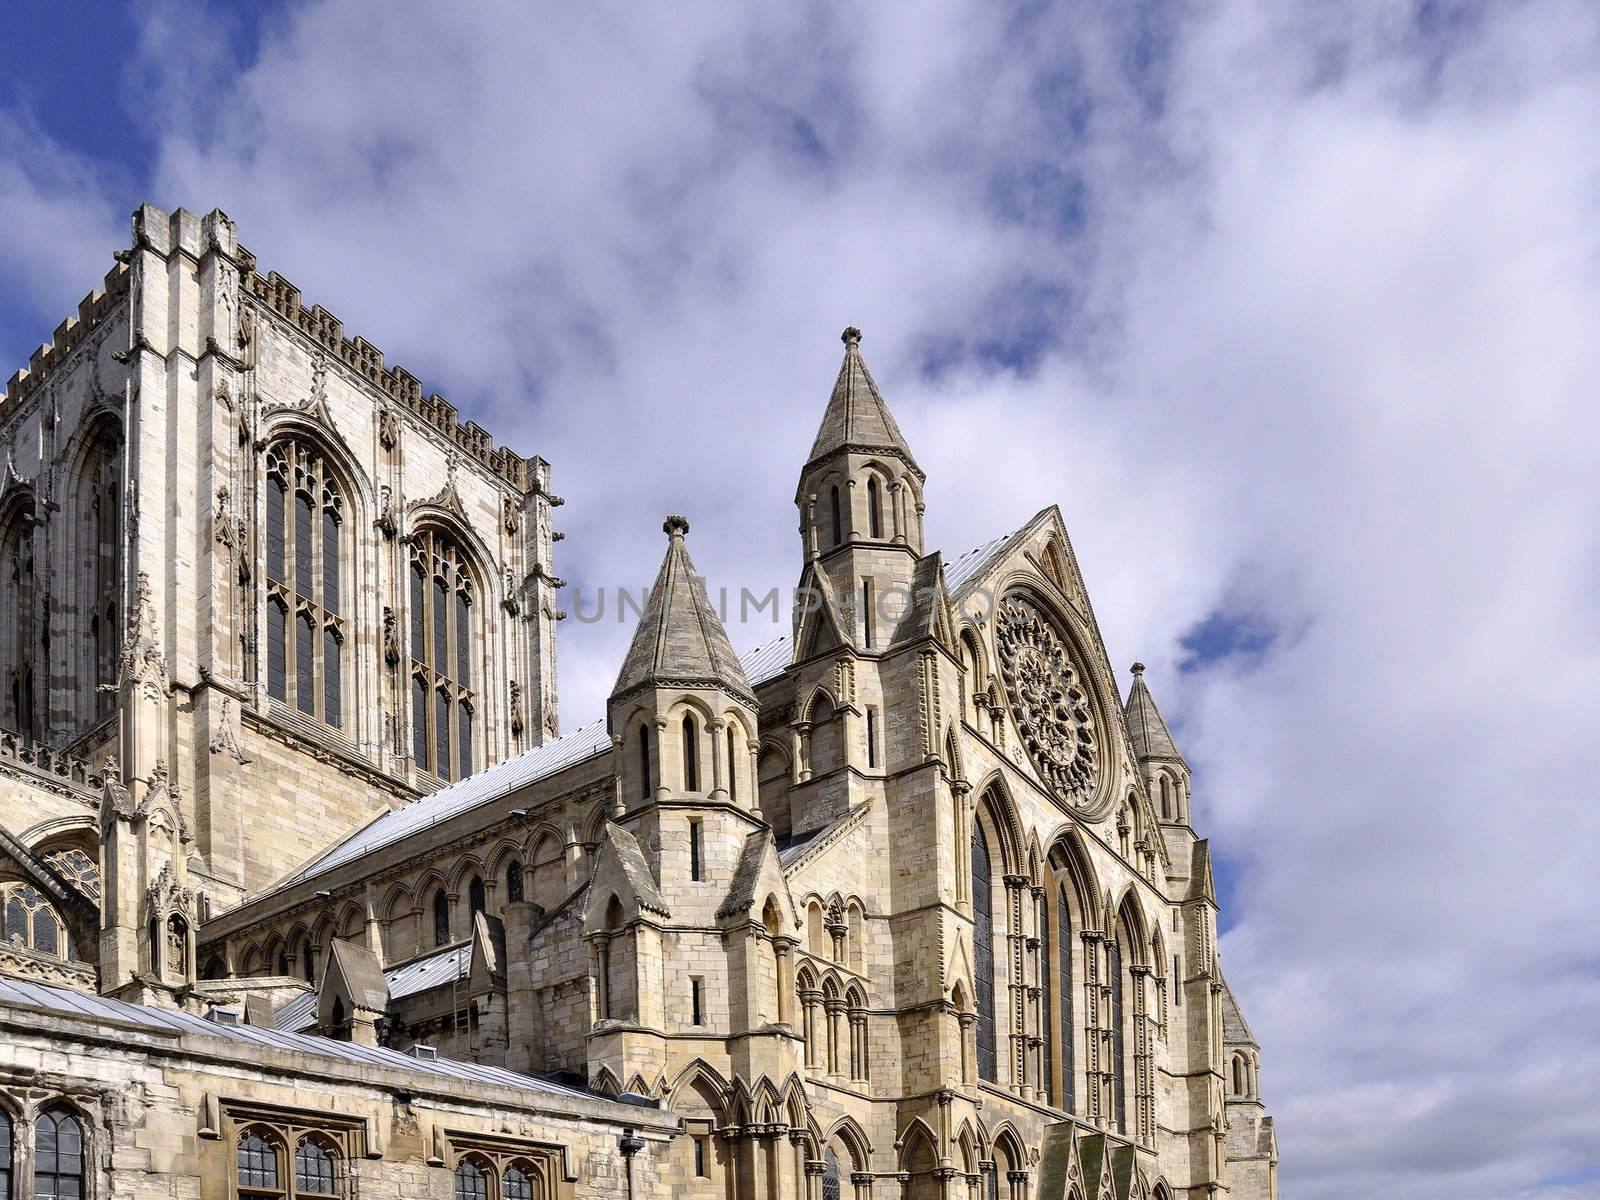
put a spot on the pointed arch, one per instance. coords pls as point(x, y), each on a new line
point(604, 1082)
point(847, 1132)
point(998, 808)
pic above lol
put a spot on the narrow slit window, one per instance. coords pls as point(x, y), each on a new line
point(694, 850)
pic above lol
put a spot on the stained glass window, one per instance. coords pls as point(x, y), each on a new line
point(57, 1156)
point(983, 954)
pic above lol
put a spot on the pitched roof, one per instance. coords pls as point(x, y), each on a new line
point(462, 796)
point(767, 660)
point(438, 969)
point(1151, 737)
point(972, 564)
point(680, 639)
point(856, 414)
point(169, 1022)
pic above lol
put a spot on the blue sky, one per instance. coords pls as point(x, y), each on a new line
point(1289, 306)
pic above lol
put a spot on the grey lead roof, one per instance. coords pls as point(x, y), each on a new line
point(492, 783)
point(408, 979)
point(767, 660)
point(971, 564)
point(64, 1000)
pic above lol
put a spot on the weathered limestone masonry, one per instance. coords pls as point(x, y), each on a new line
point(907, 903)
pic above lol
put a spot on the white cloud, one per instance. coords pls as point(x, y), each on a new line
point(1310, 294)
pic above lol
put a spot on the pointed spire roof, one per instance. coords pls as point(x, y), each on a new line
point(1151, 737)
point(856, 415)
point(680, 640)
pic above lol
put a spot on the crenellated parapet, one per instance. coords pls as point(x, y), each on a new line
point(366, 360)
point(92, 310)
point(54, 769)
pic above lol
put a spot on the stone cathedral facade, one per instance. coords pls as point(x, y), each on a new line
point(306, 892)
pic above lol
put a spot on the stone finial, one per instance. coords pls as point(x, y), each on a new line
point(675, 526)
point(851, 336)
point(1138, 668)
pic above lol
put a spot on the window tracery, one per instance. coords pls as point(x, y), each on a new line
point(77, 868)
point(443, 641)
point(983, 954)
point(17, 612)
point(32, 922)
point(307, 631)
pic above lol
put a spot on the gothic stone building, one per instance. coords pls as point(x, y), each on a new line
point(306, 894)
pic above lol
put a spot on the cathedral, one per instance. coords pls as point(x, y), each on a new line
point(308, 891)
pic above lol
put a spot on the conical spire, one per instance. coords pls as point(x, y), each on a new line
point(680, 641)
point(1151, 737)
point(856, 416)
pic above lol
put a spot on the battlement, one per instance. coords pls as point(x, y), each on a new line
point(56, 769)
point(362, 357)
point(183, 232)
point(92, 310)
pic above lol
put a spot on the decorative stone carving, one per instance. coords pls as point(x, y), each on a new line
point(391, 637)
point(226, 740)
point(1049, 701)
point(388, 428)
point(385, 522)
point(142, 665)
point(511, 512)
point(516, 709)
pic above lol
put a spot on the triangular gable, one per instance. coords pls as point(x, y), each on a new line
point(818, 626)
point(488, 965)
point(620, 869)
point(1059, 1165)
point(353, 975)
point(1122, 1173)
point(930, 606)
point(1201, 885)
point(758, 875)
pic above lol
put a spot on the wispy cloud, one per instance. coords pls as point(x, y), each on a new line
point(1290, 307)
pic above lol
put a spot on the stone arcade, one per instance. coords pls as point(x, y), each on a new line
point(305, 893)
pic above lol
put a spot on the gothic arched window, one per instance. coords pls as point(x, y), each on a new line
point(77, 868)
point(733, 764)
point(99, 565)
point(514, 882)
point(1116, 970)
point(691, 754)
point(477, 896)
point(17, 616)
point(315, 1170)
point(29, 918)
point(57, 1156)
point(443, 703)
point(983, 954)
point(441, 918)
point(472, 1181)
point(644, 762)
point(874, 509)
point(1064, 995)
point(1046, 987)
point(836, 515)
point(5, 1155)
point(518, 1184)
point(258, 1166)
point(830, 1175)
point(306, 628)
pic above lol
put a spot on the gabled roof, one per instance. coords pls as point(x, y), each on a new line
point(490, 784)
point(969, 566)
point(1151, 737)
point(856, 416)
point(767, 660)
point(1201, 885)
point(439, 969)
point(927, 602)
point(680, 641)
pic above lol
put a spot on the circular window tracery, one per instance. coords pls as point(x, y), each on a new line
point(1050, 700)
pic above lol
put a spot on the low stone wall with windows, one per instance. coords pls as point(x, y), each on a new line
point(99, 1108)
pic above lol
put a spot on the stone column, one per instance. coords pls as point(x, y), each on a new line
point(719, 786)
point(783, 952)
